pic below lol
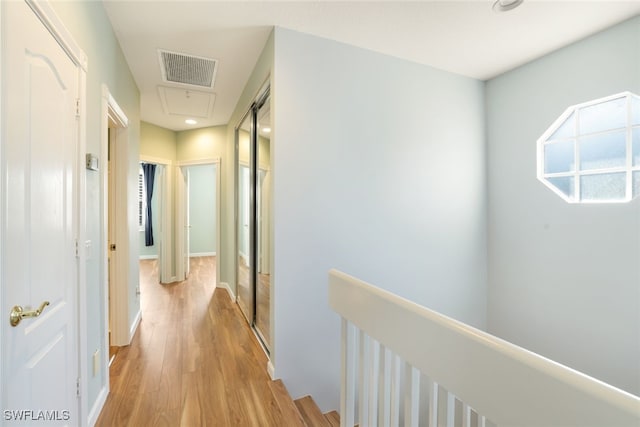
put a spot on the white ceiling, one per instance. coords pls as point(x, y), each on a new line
point(464, 37)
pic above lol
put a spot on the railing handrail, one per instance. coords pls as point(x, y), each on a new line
point(508, 384)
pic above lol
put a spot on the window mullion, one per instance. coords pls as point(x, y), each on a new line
point(606, 127)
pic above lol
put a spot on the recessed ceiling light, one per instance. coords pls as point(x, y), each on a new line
point(506, 5)
point(266, 130)
point(190, 122)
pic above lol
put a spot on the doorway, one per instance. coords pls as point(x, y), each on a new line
point(115, 232)
point(198, 216)
point(149, 212)
point(253, 216)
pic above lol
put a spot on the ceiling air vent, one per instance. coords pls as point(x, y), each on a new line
point(187, 69)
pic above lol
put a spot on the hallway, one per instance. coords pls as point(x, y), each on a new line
point(194, 361)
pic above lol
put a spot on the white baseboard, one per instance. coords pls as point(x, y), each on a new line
point(148, 256)
point(97, 406)
point(172, 279)
point(225, 285)
point(134, 325)
point(198, 254)
point(271, 370)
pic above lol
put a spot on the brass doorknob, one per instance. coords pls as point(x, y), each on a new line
point(18, 313)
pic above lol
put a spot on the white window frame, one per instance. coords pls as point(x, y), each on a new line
point(577, 173)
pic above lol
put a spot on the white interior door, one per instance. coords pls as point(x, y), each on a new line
point(39, 223)
point(187, 229)
point(182, 223)
point(158, 192)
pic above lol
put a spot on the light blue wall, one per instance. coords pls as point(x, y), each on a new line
point(91, 28)
point(202, 209)
point(378, 170)
point(564, 279)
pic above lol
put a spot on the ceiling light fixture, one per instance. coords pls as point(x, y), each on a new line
point(506, 5)
point(190, 122)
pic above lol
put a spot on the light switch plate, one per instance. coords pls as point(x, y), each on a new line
point(92, 162)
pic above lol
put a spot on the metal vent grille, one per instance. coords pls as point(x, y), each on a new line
point(187, 69)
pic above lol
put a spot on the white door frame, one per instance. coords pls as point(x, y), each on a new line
point(166, 218)
point(181, 220)
point(112, 116)
point(118, 311)
point(45, 12)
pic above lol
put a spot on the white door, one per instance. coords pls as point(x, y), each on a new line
point(39, 223)
point(187, 223)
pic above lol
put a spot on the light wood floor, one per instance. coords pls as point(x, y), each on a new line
point(193, 362)
point(263, 298)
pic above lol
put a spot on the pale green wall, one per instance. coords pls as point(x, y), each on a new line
point(202, 209)
point(90, 27)
point(378, 170)
point(204, 143)
point(159, 143)
point(559, 270)
point(182, 146)
point(264, 152)
point(156, 141)
point(243, 147)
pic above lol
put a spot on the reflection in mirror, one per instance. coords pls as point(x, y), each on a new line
point(243, 237)
point(263, 224)
point(253, 207)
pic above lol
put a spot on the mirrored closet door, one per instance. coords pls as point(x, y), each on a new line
point(253, 216)
point(244, 290)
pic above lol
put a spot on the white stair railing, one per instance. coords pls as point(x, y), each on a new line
point(403, 364)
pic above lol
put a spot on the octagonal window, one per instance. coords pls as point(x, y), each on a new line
point(592, 152)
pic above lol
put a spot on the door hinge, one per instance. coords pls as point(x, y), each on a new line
point(77, 107)
point(78, 387)
point(77, 250)
point(112, 247)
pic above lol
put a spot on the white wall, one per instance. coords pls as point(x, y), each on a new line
point(378, 170)
point(564, 280)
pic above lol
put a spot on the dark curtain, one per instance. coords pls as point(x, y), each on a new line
point(149, 171)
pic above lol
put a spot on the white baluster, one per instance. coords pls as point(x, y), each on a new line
point(348, 380)
point(394, 410)
point(451, 409)
point(466, 415)
point(385, 392)
point(411, 396)
point(433, 404)
point(482, 421)
point(363, 380)
point(374, 375)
